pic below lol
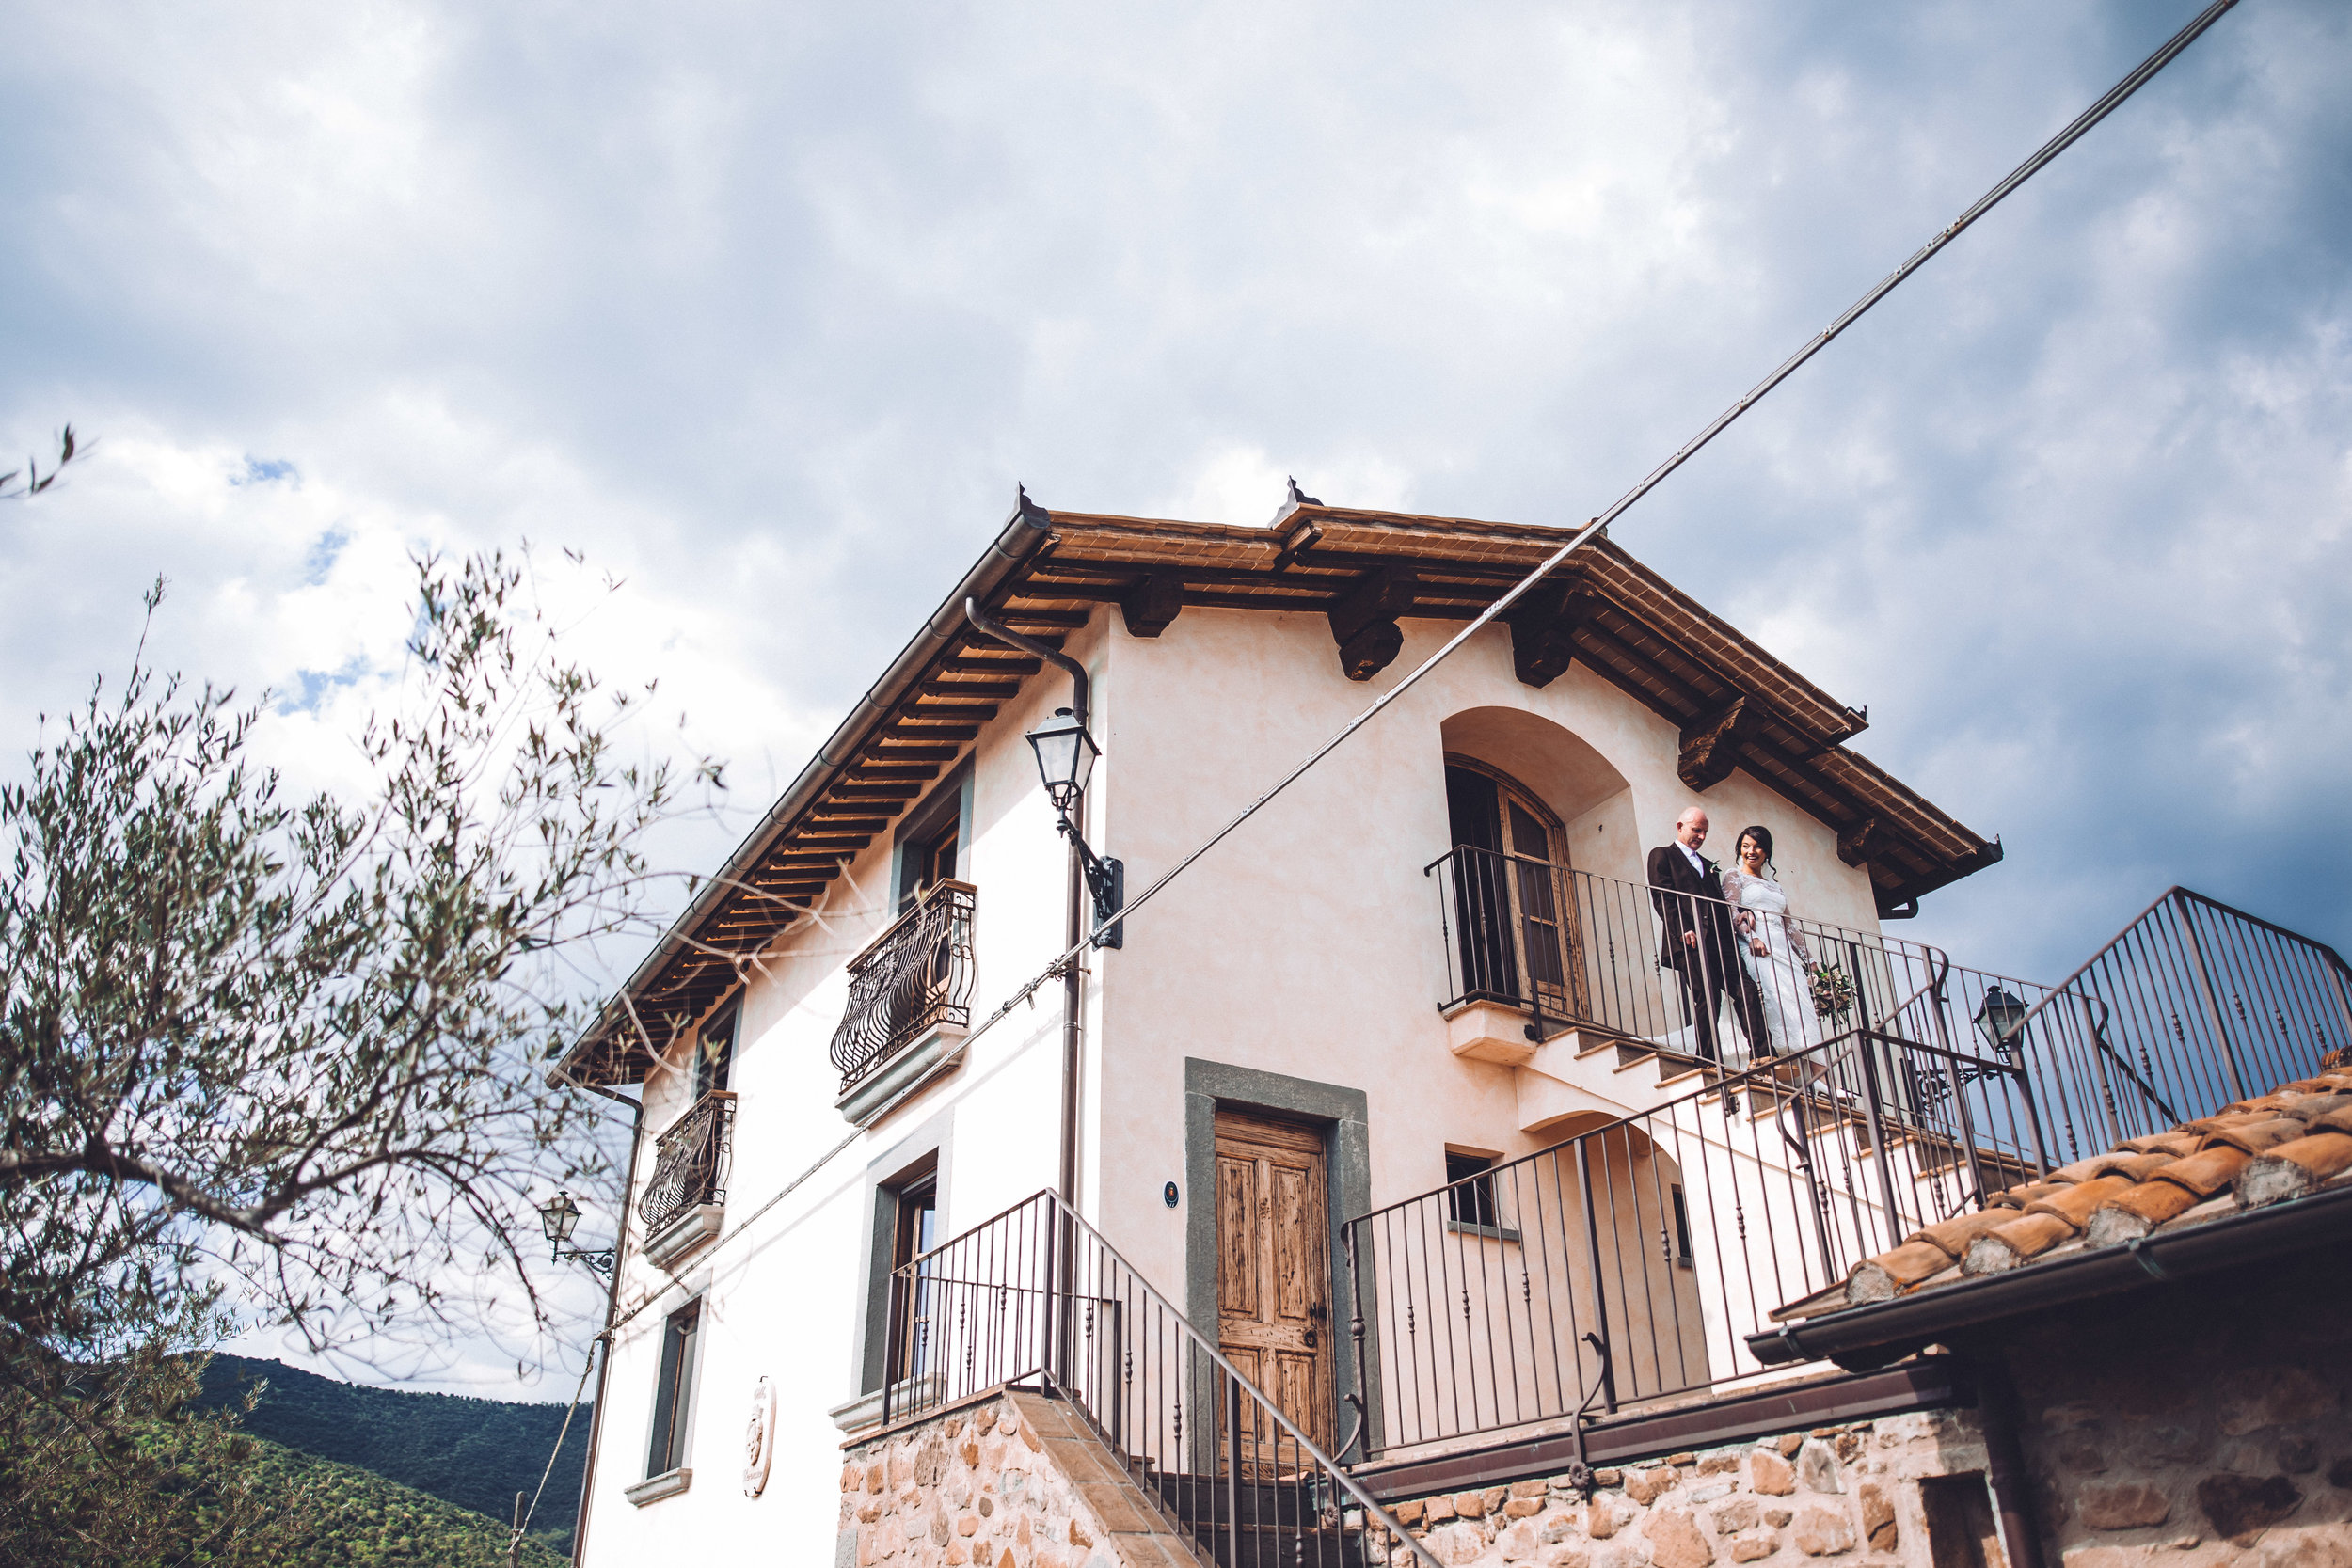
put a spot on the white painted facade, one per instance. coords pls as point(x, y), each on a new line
point(1308, 945)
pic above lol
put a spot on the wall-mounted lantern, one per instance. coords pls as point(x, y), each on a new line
point(559, 1216)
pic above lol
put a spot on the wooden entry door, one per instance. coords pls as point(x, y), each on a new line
point(1273, 1264)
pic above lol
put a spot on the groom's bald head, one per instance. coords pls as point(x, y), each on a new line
point(1690, 827)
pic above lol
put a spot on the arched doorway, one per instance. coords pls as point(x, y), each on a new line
point(1535, 813)
point(1510, 857)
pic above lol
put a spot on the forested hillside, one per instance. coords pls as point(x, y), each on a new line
point(335, 1513)
point(475, 1453)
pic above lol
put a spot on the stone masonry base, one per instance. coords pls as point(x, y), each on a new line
point(1902, 1489)
point(1015, 1480)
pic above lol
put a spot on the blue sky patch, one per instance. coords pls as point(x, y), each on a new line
point(316, 684)
point(323, 554)
point(261, 472)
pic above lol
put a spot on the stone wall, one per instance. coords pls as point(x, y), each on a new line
point(2194, 1424)
point(1014, 1481)
point(1852, 1493)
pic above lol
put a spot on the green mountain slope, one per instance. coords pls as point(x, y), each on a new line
point(473, 1453)
point(343, 1515)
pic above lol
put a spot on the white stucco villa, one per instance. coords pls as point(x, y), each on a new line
point(1388, 995)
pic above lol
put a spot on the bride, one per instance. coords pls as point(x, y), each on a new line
point(1774, 949)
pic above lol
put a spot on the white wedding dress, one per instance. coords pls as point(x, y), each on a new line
point(1779, 971)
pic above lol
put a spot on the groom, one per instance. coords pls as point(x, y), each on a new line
point(1698, 942)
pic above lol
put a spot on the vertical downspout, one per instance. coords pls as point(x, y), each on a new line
point(2005, 1463)
point(612, 1309)
point(1073, 978)
point(1073, 992)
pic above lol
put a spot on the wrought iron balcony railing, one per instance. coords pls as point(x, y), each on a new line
point(915, 977)
point(691, 1160)
point(1635, 1261)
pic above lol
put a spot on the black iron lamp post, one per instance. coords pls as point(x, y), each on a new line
point(559, 1216)
point(1065, 758)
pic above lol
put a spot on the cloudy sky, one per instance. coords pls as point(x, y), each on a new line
point(763, 310)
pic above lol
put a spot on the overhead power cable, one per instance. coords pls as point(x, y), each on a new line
point(2107, 105)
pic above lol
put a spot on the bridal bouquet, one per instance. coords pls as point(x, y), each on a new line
point(1832, 991)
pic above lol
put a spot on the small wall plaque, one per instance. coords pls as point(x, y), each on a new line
point(1168, 1195)
point(759, 1439)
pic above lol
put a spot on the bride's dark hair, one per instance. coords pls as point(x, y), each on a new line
point(1763, 837)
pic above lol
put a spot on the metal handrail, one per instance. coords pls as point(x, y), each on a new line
point(1331, 1466)
point(1057, 1255)
point(2147, 981)
point(1476, 1329)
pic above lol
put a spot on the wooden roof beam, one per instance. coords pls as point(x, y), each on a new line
point(1544, 624)
point(1152, 606)
point(1715, 745)
point(1363, 621)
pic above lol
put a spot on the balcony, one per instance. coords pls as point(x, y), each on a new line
point(1644, 1258)
point(685, 1199)
point(910, 1000)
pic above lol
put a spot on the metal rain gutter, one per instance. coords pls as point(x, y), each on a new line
point(1928, 1316)
point(1024, 533)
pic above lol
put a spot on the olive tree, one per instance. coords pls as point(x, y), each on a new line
point(274, 1055)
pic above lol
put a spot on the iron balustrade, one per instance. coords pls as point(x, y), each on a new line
point(690, 1161)
point(1037, 1297)
point(914, 977)
point(1580, 951)
point(1629, 1263)
point(2191, 1006)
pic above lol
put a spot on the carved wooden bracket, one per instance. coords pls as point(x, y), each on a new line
point(1152, 604)
point(1543, 631)
point(1858, 843)
point(1296, 544)
point(1363, 621)
point(1714, 747)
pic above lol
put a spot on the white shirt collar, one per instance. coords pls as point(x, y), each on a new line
point(1692, 855)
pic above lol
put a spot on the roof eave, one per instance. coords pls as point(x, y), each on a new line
point(1024, 533)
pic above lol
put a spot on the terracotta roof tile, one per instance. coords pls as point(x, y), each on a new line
point(2254, 1137)
point(2291, 1170)
point(2266, 1149)
point(2012, 1246)
point(2077, 1204)
point(2204, 1174)
point(2032, 1191)
point(2139, 1211)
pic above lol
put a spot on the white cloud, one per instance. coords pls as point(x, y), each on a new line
point(766, 311)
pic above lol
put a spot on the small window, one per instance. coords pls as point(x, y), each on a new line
point(674, 1394)
point(714, 1054)
point(1469, 1196)
point(918, 1221)
point(914, 1232)
point(928, 862)
point(1682, 1231)
point(931, 843)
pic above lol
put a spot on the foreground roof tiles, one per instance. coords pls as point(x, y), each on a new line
point(2283, 1146)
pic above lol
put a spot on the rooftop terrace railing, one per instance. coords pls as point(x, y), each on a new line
point(2192, 1006)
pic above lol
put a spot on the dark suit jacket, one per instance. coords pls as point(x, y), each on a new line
point(1671, 873)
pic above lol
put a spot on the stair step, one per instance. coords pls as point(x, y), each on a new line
point(1282, 1549)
